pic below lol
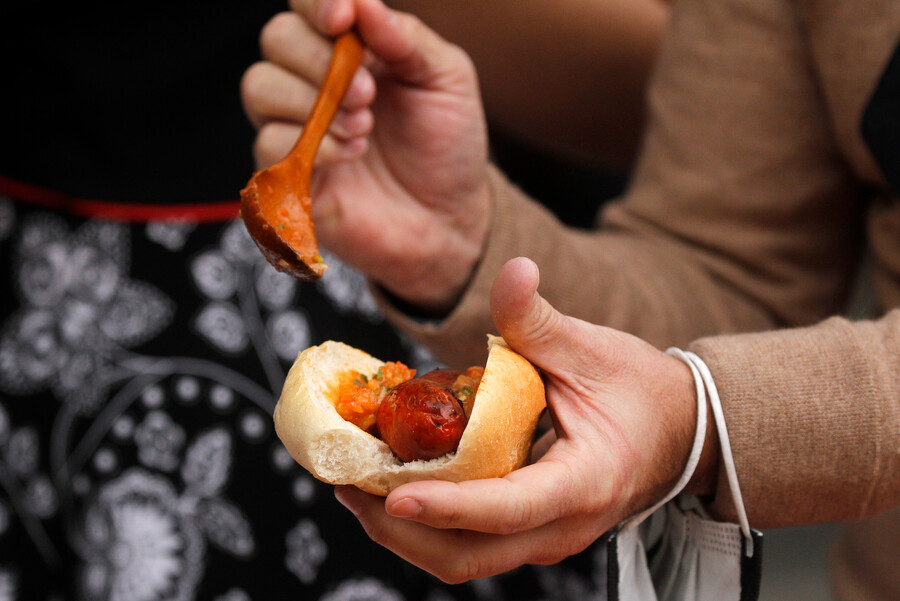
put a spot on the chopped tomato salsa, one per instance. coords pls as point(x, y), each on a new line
point(358, 395)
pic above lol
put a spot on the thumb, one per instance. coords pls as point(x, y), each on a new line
point(413, 52)
point(527, 322)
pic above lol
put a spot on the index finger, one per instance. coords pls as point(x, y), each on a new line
point(522, 500)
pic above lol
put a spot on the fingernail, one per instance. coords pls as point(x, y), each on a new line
point(406, 507)
point(349, 498)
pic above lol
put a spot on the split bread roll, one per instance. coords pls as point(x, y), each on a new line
point(497, 438)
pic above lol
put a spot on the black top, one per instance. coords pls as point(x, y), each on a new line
point(140, 362)
point(105, 101)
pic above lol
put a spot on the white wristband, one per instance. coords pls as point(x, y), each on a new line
point(696, 449)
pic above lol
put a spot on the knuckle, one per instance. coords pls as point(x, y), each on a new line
point(557, 551)
point(277, 32)
point(571, 538)
point(453, 516)
point(576, 544)
point(301, 6)
point(464, 63)
point(550, 556)
point(377, 532)
point(463, 568)
point(263, 140)
point(253, 83)
point(545, 327)
point(409, 21)
point(267, 147)
point(519, 519)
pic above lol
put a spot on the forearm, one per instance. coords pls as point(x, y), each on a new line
point(654, 288)
point(813, 416)
point(709, 238)
point(567, 77)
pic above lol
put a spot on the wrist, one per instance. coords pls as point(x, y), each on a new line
point(432, 285)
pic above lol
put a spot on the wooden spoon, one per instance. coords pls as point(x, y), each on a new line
point(276, 203)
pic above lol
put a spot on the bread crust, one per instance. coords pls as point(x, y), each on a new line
point(496, 441)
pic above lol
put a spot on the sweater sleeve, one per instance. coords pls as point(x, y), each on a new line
point(742, 214)
point(634, 283)
point(741, 232)
point(813, 415)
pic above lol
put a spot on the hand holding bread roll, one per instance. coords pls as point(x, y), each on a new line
point(496, 440)
point(624, 417)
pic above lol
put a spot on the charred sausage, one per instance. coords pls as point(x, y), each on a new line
point(422, 418)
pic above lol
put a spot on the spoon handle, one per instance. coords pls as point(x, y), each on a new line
point(347, 57)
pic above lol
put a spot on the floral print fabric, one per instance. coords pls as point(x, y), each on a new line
point(139, 366)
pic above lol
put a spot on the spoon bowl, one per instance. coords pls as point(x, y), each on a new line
point(276, 203)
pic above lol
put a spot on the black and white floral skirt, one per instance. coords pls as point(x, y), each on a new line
point(140, 362)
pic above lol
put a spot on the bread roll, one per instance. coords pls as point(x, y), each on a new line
point(496, 440)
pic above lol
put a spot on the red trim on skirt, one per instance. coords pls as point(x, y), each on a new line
point(118, 211)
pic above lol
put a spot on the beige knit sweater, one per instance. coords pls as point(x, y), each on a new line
point(751, 207)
